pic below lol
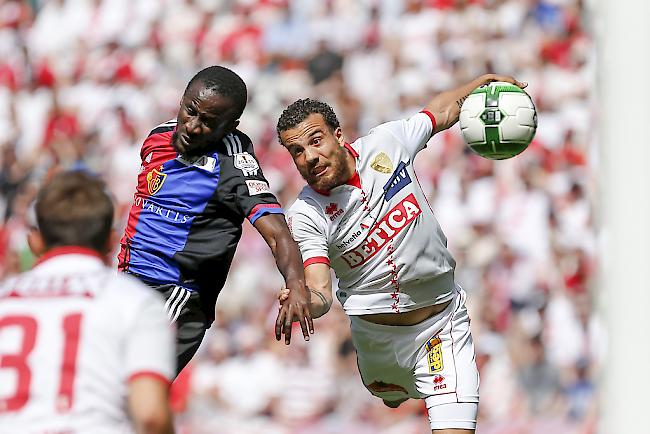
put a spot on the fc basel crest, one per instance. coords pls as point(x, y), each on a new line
point(155, 180)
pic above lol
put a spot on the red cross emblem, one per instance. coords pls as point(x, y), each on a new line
point(331, 208)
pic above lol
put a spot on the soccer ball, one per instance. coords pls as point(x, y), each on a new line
point(498, 120)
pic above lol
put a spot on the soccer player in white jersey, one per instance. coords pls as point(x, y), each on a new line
point(83, 349)
point(364, 215)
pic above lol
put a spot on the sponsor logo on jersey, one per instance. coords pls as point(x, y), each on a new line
point(439, 382)
point(397, 181)
point(257, 187)
point(246, 163)
point(346, 243)
point(434, 356)
point(155, 180)
point(380, 386)
point(333, 211)
point(381, 163)
point(399, 217)
point(167, 214)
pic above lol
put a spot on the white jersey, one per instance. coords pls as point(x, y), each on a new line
point(73, 333)
point(378, 231)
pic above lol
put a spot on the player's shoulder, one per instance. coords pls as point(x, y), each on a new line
point(8, 285)
point(159, 140)
point(237, 142)
point(166, 127)
point(308, 202)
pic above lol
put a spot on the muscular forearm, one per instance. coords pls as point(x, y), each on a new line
point(446, 105)
point(288, 260)
point(319, 304)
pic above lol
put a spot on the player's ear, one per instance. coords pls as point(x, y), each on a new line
point(338, 133)
point(36, 242)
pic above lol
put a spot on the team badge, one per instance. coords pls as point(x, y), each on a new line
point(155, 180)
point(246, 163)
point(381, 163)
point(434, 355)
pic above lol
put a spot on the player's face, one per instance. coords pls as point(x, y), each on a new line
point(204, 118)
point(318, 153)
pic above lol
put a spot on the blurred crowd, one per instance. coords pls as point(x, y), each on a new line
point(82, 82)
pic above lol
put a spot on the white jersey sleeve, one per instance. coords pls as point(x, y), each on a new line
point(149, 348)
point(413, 133)
point(309, 230)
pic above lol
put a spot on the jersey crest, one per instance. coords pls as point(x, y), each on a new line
point(381, 163)
point(155, 180)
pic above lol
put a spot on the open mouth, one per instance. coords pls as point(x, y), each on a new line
point(319, 171)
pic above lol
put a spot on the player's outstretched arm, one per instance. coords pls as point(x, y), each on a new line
point(149, 406)
point(274, 229)
point(446, 105)
point(319, 282)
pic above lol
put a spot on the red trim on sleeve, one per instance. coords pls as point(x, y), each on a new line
point(316, 260)
point(432, 117)
point(260, 206)
point(155, 375)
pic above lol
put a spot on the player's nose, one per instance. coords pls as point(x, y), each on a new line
point(192, 127)
point(311, 156)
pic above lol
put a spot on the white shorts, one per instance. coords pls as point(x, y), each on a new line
point(433, 360)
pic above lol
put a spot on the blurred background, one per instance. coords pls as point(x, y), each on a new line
point(82, 82)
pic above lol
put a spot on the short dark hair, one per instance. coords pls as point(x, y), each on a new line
point(299, 110)
point(74, 209)
point(224, 82)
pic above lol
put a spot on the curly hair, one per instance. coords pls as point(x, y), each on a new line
point(299, 110)
point(224, 82)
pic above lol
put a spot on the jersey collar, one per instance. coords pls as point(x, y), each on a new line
point(69, 250)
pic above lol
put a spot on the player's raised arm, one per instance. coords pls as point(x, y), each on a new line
point(274, 229)
point(445, 106)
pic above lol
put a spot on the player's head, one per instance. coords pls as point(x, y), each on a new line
point(72, 209)
point(210, 109)
point(311, 132)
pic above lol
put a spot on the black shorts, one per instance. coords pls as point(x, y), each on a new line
point(185, 309)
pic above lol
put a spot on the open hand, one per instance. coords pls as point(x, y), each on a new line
point(294, 306)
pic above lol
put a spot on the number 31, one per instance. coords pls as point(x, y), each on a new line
point(18, 361)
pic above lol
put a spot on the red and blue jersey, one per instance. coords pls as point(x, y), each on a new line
point(187, 215)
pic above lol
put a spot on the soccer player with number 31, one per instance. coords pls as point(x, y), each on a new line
point(83, 349)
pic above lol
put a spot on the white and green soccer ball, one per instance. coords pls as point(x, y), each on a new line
point(498, 120)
